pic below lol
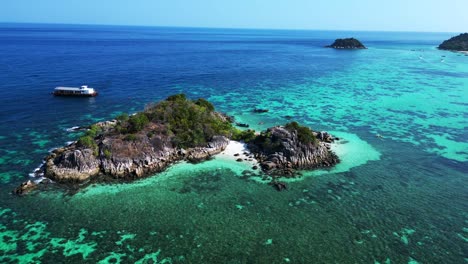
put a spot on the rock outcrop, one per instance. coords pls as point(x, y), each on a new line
point(129, 159)
point(347, 43)
point(214, 147)
point(71, 164)
point(282, 150)
point(25, 188)
point(457, 43)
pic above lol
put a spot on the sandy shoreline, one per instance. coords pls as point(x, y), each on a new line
point(237, 150)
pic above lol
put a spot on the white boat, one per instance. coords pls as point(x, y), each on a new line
point(84, 90)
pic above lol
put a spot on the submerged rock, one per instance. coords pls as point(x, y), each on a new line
point(260, 110)
point(279, 186)
point(25, 188)
point(242, 125)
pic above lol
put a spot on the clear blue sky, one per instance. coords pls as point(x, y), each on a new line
point(388, 15)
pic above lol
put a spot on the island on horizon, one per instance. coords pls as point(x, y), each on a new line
point(179, 129)
point(347, 43)
point(457, 43)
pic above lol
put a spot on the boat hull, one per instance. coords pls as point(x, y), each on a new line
point(74, 95)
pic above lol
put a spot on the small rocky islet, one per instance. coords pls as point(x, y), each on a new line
point(347, 43)
point(457, 43)
point(177, 129)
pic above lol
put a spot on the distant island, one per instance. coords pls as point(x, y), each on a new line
point(457, 43)
point(134, 146)
point(347, 43)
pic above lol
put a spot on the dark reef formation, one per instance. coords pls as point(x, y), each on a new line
point(25, 188)
point(458, 43)
point(347, 43)
point(131, 147)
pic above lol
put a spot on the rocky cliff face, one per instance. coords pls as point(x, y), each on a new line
point(71, 164)
point(281, 151)
point(128, 159)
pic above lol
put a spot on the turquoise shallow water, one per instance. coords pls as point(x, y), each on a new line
point(399, 198)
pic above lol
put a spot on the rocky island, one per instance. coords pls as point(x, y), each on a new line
point(147, 142)
point(176, 129)
point(282, 150)
point(457, 43)
point(347, 43)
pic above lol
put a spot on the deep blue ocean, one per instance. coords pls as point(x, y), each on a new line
point(401, 197)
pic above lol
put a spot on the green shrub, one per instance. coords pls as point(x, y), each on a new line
point(192, 123)
point(150, 134)
point(121, 129)
point(267, 143)
point(177, 98)
point(130, 137)
point(188, 123)
point(292, 126)
point(244, 135)
point(107, 153)
point(204, 103)
point(122, 117)
point(304, 134)
point(86, 141)
point(93, 131)
point(137, 122)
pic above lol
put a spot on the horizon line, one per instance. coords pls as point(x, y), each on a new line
point(231, 28)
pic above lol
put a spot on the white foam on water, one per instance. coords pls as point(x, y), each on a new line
point(71, 129)
point(52, 149)
point(40, 180)
point(37, 171)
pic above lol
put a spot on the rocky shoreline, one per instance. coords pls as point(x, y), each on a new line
point(74, 165)
point(109, 151)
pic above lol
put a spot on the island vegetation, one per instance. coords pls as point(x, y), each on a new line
point(457, 43)
point(347, 43)
point(175, 129)
point(187, 123)
point(132, 146)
